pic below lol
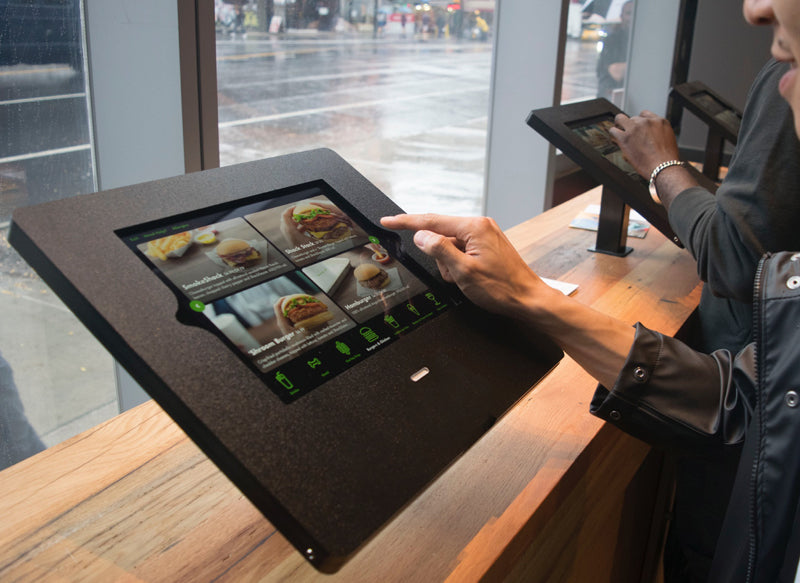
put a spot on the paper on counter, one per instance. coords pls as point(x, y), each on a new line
point(562, 286)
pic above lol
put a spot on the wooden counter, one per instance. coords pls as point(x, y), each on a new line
point(549, 494)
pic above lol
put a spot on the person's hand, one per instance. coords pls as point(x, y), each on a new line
point(646, 141)
point(617, 71)
point(474, 254)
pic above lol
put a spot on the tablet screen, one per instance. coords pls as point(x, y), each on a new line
point(718, 110)
point(294, 282)
point(594, 132)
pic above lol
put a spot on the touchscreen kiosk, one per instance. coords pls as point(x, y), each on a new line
point(290, 282)
point(315, 357)
point(720, 115)
point(580, 131)
point(722, 118)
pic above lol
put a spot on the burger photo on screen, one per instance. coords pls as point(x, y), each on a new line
point(320, 222)
point(237, 253)
point(371, 276)
point(305, 311)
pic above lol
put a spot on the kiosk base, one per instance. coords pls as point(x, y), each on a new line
point(612, 226)
point(622, 253)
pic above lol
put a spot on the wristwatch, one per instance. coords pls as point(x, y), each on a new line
point(656, 171)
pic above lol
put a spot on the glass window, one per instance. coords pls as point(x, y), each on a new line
point(400, 90)
point(55, 378)
point(598, 33)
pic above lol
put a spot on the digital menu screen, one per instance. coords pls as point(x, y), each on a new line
point(595, 133)
point(293, 282)
point(718, 110)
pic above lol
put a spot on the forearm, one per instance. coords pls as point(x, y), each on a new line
point(596, 341)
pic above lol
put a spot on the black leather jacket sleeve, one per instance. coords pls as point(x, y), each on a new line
point(674, 397)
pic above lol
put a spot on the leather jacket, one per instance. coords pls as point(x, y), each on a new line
point(674, 397)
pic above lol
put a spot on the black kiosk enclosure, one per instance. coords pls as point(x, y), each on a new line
point(316, 358)
point(580, 131)
point(722, 118)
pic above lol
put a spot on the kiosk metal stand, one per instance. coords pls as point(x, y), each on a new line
point(722, 118)
point(612, 226)
point(715, 149)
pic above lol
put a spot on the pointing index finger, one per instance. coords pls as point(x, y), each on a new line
point(620, 118)
point(444, 225)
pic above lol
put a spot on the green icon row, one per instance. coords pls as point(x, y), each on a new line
point(366, 332)
point(198, 306)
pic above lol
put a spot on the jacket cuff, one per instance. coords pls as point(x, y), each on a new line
point(671, 396)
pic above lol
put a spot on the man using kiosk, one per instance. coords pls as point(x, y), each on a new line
point(659, 389)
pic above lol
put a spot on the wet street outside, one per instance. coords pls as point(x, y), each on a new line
point(410, 115)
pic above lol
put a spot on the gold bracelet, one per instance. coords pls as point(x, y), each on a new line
point(656, 171)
